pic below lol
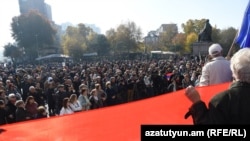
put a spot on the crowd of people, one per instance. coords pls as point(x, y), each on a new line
point(30, 92)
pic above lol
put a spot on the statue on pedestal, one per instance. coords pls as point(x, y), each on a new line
point(205, 34)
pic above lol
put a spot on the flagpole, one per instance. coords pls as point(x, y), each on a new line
point(231, 48)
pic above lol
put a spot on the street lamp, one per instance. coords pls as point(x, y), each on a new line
point(145, 44)
point(37, 45)
point(23, 54)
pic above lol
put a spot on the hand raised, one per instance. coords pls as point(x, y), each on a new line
point(192, 94)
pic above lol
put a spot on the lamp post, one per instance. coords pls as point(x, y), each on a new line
point(37, 45)
point(23, 54)
point(145, 44)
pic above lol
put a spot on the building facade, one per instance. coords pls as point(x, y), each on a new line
point(151, 41)
point(48, 11)
point(27, 5)
point(167, 27)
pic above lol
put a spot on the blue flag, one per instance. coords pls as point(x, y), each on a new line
point(243, 39)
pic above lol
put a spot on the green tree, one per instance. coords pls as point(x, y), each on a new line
point(99, 44)
point(215, 34)
point(111, 37)
point(86, 33)
point(12, 51)
point(227, 37)
point(33, 31)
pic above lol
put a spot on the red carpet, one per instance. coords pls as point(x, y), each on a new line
point(118, 123)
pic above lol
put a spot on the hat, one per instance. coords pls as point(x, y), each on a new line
point(2, 102)
point(214, 49)
point(31, 87)
point(18, 103)
point(107, 83)
point(50, 79)
point(83, 86)
point(60, 86)
point(11, 95)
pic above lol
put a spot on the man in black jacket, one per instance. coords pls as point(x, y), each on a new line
point(59, 96)
point(21, 113)
point(230, 106)
point(3, 113)
point(11, 108)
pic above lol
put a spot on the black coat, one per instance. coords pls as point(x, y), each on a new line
point(3, 116)
point(40, 115)
point(228, 107)
point(38, 98)
point(110, 93)
point(59, 96)
point(11, 110)
point(50, 97)
point(21, 114)
point(95, 104)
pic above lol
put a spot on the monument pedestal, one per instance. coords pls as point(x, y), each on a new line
point(201, 48)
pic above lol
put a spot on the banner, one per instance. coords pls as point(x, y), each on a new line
point(117, 123)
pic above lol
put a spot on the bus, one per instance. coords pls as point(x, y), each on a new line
point(162, 54)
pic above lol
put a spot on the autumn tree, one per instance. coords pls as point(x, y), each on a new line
point(167, 35)
point(192, 29)
point(224, 37)
point(179, 41)
point(125, 37)
point(32, 31)
point(191, 38)
point(76, 39)
point(193, 26)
